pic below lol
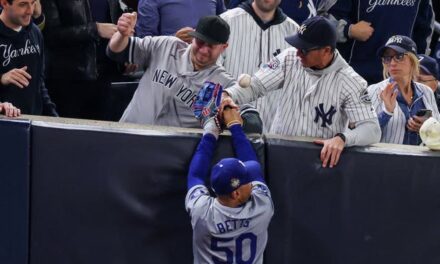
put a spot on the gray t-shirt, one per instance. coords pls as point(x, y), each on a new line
point(230, 235)
point(169, 85)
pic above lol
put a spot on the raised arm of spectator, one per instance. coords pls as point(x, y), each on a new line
point(148, 19)
point(424, 27)
point(125, 26)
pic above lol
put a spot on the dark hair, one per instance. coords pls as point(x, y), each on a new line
point(10, 1)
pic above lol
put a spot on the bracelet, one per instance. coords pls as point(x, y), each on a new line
point(342, 136)
point(233, 122)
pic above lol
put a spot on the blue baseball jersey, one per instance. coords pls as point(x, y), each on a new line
point(229, 235)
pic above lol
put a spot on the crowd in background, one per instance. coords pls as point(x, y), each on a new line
point(62, 69)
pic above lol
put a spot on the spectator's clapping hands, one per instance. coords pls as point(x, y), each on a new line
point(9, 110)
point(389, 97)
point(126, 24)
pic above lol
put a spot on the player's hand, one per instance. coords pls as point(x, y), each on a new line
point(37, 9)
point(227, 101)
point(361, 31)
point(331, 151)
point(106, 30)
point(414, 123)
point(231, 116)
point(389, 96)
point(18, 77)
point(126, 24)
point(183, 34)
point(9, 110)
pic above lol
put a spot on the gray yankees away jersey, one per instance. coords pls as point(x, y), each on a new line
point(229, 235)
point(166, 90)
point(250, 46)
point(315, 103)
point(394, 131)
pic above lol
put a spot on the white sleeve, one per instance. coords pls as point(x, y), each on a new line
point(365, 133)
point(268, 78)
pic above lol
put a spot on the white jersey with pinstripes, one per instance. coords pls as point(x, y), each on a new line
point(394, 131)
point(166, 90)
point(250, 46)
point(315, 103)
point(229, 235)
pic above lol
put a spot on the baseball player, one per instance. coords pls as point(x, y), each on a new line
point(231, 228)
point(322, 96)
point(258, 29)
point(174, 70)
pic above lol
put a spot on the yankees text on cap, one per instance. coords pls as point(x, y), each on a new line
point(230, 173)
point(212, 30)
point(400, 44)
point(315, 32)
point(428, 65)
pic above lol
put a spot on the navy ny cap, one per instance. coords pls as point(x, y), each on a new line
point(399, 43)
point(429, 65)
point(315, 32)
point(230, 173)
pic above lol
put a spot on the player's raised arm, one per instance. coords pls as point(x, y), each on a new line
point(242, 147)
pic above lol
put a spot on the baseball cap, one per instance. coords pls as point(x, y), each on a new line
point(231, 173)
point(314, 32)
point(428, 65)
point(400, 44)
point(430, 133)
point(212, 30)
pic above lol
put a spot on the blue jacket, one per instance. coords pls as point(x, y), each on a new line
point(166, 17)
point(413, 18)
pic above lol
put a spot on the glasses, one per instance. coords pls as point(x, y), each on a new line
point(305, 51)
point(425, 81)
point(397, 58)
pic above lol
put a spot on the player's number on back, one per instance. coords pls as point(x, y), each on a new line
point(216, 245)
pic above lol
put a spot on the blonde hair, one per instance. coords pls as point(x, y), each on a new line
point(415, 64)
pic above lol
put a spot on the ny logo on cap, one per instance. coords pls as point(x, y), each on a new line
point(302, 29)
point(394, 39)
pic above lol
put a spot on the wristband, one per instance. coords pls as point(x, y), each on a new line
point(342, 136)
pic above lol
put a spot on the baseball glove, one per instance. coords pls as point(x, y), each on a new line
point(207, 102)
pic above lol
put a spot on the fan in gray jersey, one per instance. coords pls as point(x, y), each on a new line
point(174, 70)
point(231, 228)
point(322, 96)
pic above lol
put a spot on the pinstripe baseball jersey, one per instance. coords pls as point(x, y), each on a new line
point(251, 44)
point(230, 235)
point(394, 131)
point(166, 90)
point(315, 103)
